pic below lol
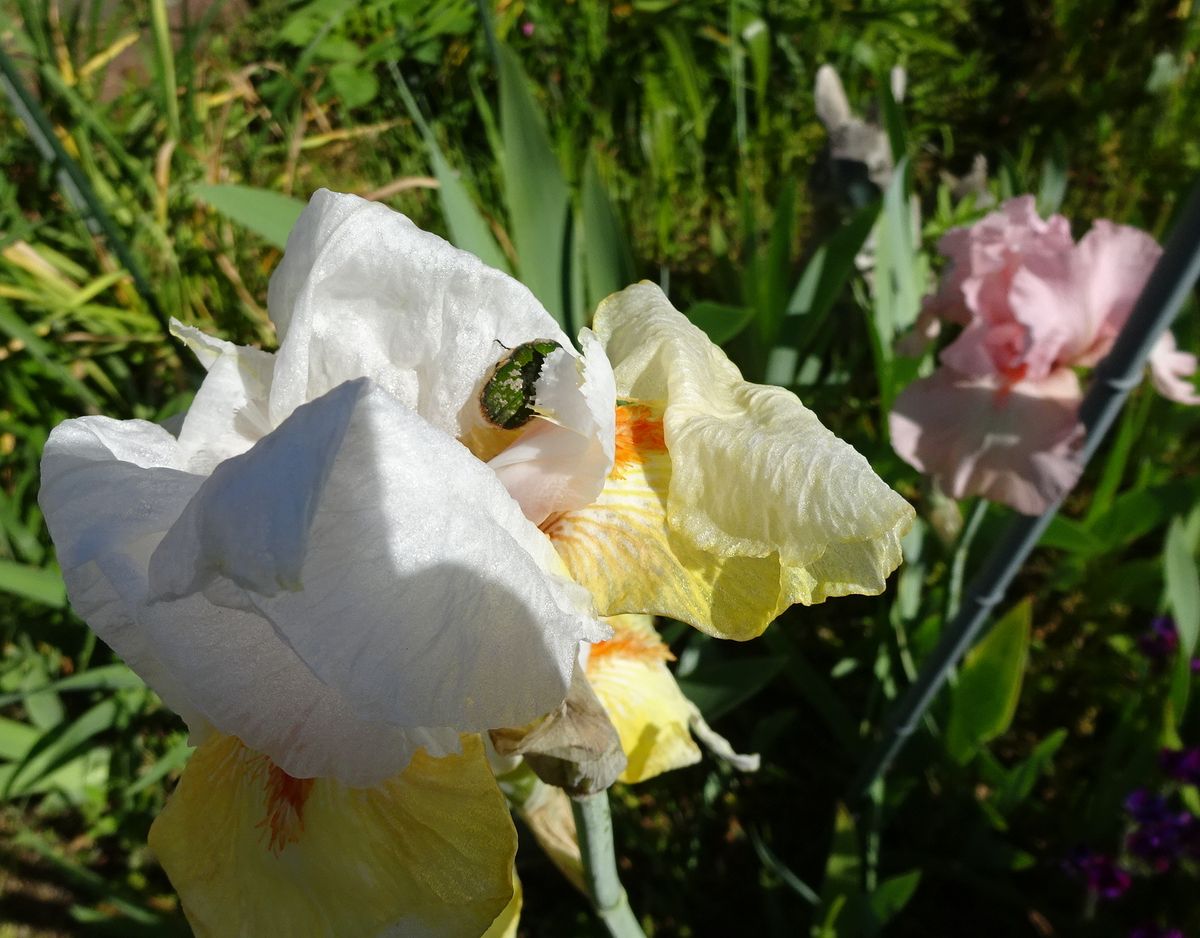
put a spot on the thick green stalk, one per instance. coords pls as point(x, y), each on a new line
point(593, 826)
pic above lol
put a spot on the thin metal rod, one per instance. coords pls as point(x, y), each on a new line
point(75, 184)
point(1121, 371)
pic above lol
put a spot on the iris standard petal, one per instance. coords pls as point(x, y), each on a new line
point(392, 561)
point(1113, 264)
point(753, 472)
point(561, 462)
point(362, 291)
point(253, 851)
point(229, 413)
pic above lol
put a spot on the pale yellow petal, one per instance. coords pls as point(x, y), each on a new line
point(505, 925)
point(623, 550)
point(254, 852)
point(754, 473)
point(630, 676)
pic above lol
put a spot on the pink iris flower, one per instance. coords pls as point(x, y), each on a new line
point(999, 418)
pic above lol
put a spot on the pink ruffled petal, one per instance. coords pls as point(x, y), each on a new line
point(1047, 298)
point(1171, 371)
point(1113, 265)
point(1013, 445)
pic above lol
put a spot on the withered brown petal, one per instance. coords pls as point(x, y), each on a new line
point(574, 747)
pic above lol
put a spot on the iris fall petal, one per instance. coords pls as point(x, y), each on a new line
point(254, 851)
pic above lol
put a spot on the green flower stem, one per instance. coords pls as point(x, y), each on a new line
point(958, 566)
point(593, 825)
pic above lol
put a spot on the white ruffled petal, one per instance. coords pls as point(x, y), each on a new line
point(229, 412)
point(109, 488)
point(392, 561)
point(109, 493)
point(561, 462)
point(361, 291)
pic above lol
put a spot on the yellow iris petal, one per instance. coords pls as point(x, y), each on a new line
point(253, 851)
point(728, 501)
point(632, 561)
point(505, 925)
point(630, 676)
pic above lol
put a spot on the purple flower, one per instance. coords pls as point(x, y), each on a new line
point(1155, 931)
point(1104, 877)
point(1161, 842)
point(1145, 807)
point(1159, 642)
point(1183, 765)
point(527, 28)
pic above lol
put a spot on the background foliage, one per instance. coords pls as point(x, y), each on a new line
point(582, 145)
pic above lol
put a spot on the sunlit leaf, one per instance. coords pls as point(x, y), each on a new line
point(535, 189)
point(984, 700)
point(719, 321)
point(41, 584)
point(270, 215)
point(607, 257)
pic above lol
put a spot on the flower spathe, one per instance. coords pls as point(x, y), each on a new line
point(341, 569)
point(999, 417)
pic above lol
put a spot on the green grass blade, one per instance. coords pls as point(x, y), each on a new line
point(721, 686)
point(75, 185)
point(893, 119)
point(690, 78)
point(16, 328)
point(535, 189)
point(43, 586)
point(608, 260)
point(719, 321)
point(825, 277)
point(165, 58)
point(270, 215)
point(175, 757)
point(468, 228)
point(109, 677)
point(16, 739)
point(1182, 581)
point(60, 745)
point(1053, 184)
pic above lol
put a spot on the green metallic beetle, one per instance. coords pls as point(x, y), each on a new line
point(509, 396)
